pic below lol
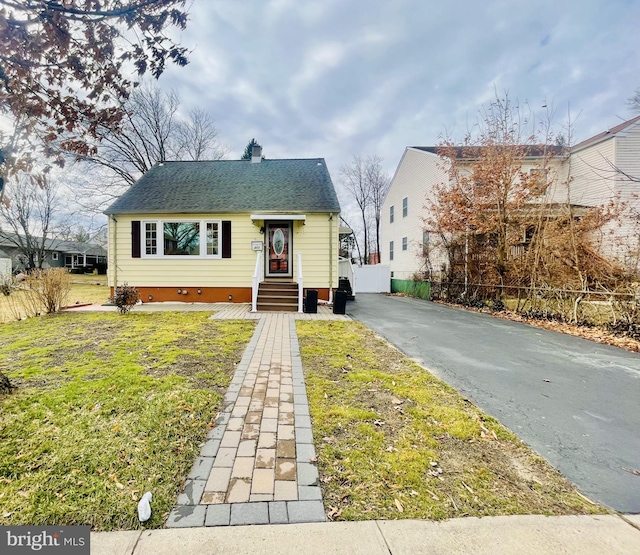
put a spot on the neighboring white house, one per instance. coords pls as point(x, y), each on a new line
point(602, 168)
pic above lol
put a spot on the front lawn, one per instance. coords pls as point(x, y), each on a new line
point(394, 442)
point(108, 407)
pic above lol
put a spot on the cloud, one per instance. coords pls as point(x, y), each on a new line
point(340, 77)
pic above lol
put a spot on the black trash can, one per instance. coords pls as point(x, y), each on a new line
point(311, 301)
point(340, 302)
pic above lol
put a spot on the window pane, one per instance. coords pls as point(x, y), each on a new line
point(213, 236)
point(404, 243)
point(405, 202)
point(151, 238)
point(181, 238)
point(391, 214)
point(390, 250)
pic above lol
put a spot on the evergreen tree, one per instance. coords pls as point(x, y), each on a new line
point(249, 150)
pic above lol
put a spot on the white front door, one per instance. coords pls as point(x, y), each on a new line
point(278, 259)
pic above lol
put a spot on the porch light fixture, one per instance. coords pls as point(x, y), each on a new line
point(199, 291)
point(179, 291)
point(262, 230)
point(150, 297)
point(230, 297)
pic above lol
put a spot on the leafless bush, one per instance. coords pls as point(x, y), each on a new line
point(45, 291)
point(8, 284)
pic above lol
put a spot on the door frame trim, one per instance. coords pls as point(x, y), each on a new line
point(278, 223)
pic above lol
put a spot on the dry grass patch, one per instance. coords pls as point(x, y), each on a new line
point(86, 288)
point(108, 407)
point(393, 441)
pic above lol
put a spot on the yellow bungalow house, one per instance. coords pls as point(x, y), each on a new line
point(260, 231)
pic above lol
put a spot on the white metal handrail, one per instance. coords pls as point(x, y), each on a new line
point(257, 273)
point(300, 282)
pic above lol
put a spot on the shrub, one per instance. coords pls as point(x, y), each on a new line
point(124, 297)
point(8, 284)
point(46, 290)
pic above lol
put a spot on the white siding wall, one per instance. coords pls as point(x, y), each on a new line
point(627, 246)
point(592, 181)
point(414, 179)
point(310, 238)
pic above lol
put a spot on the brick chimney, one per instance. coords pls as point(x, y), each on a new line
point(256, 154)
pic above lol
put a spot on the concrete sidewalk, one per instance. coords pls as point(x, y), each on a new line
point(586, 535)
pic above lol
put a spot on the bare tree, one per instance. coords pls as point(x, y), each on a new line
point(28, 216)
point(354, 180)
point(152, 131)
point(367, 184)
point(634, 102)
point(197, 137)
point(379, 183)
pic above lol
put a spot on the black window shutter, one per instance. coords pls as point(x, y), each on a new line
point(226, 239)
point(135, 239)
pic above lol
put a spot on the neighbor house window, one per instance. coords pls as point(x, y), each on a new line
point(54, 256)
point(182, 238)
point(404, 243)
point(390, 250)
point(390, 214)
point(405, 207)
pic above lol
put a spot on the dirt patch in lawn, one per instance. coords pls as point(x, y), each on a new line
point(393, 441)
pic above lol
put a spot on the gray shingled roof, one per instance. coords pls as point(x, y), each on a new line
point(9, 239)
point(231, 186)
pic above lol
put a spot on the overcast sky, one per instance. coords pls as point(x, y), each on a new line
point(333, 78)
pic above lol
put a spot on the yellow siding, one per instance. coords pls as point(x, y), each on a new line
point(310, 239)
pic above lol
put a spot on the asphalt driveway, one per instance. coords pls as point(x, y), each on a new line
point(575, 402)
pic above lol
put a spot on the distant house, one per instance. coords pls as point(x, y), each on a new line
point(76, 256)
point(258, 230)
point(602, 168)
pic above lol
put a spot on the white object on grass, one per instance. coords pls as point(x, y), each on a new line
point(144, 507)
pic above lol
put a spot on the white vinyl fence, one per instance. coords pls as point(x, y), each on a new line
point(375, 278)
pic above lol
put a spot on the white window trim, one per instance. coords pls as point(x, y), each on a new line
point(54, 256)
point(160, 239)
point(405, 243)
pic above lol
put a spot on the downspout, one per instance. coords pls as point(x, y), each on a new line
point(113, 254)
point(331, 257)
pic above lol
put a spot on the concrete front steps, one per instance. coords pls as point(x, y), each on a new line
point(278, 296)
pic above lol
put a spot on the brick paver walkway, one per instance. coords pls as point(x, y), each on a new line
point(257, 465)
